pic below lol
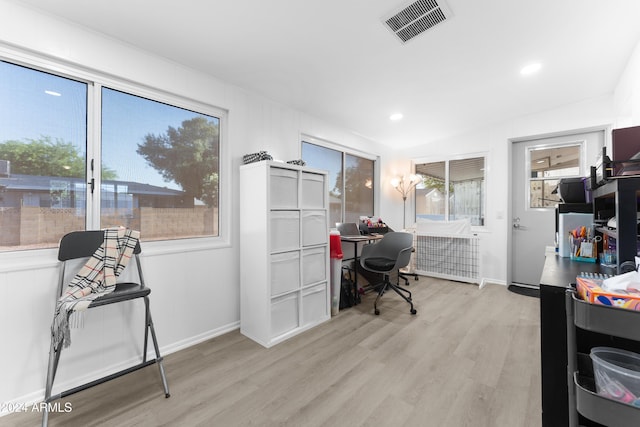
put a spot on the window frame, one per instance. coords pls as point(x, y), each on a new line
point(582, 168)
point(95, 81)
point(352, 152)
point(447, 160)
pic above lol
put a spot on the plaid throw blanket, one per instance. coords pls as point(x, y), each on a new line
point(256, 157)
point(95, 279)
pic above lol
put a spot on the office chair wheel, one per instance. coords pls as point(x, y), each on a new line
point(413, 311)
point(376, 311)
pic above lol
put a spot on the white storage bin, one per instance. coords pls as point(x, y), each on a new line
point(313, 191)
point(284, 188)
point(314, 268)
point(285, 272)
point(314, 228)
point(284, 314)
point(314, 304)
point(285, 230)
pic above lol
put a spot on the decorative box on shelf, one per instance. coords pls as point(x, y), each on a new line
point(590, 290)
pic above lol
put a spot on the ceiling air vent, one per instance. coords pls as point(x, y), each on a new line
point(416, 18)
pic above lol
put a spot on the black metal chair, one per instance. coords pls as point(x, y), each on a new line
point(389, 254)
point(82, 244)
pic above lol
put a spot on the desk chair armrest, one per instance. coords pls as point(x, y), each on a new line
point(404, 257)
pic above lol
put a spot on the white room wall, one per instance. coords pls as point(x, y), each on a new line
point(195, 289)
point(627, 93)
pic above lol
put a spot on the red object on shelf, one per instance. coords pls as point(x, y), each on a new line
point(335, 245)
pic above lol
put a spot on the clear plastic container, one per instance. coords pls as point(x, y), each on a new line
point(617, 374)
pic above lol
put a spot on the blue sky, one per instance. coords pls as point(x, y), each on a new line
point(34, 104)
point(126, 120)
point(323, 158)
point(26, 111)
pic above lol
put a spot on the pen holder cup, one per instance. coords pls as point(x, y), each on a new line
point(582, 249)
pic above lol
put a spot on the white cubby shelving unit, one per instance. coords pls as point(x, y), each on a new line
point(284, 250)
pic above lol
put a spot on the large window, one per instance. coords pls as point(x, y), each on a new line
point(351, 181)
point(162, 167)
point(151, 165)
point(452, 189)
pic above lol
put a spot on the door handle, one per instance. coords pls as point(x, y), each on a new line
point(517, 225)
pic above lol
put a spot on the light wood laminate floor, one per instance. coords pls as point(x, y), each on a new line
point(470, 357)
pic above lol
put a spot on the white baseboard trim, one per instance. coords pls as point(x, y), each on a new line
point(27, 401)
point(197, 339)
point(485, 280)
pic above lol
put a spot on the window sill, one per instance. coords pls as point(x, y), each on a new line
point(47, 258)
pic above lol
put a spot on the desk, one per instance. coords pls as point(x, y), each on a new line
point(355, 240)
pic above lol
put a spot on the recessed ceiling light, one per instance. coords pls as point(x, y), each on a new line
point(395, 116)
point(531, 69)
point(52, 93)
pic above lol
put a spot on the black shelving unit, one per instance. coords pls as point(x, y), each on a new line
point(620, 195)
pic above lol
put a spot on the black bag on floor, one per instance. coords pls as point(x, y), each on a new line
point(347, 298)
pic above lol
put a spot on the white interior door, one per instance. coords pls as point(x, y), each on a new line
point(537, 164)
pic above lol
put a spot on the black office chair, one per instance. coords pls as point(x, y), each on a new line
point(389, 254)
point(404, 276)
point(83, 244)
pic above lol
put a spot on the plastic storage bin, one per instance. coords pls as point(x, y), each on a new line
point(285, 230)
point(314, 266)
point(284, 314)
point(617, 374)
point(314, 303)
point(314, 228)
point(313, 191)
point(284, 189)
point(285, 272)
